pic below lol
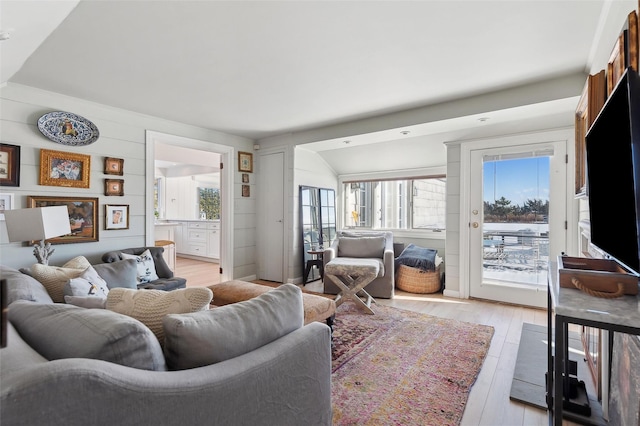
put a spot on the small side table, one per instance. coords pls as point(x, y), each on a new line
point(316, 260)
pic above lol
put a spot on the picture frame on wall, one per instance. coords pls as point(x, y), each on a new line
point(245, 162)
point(60, 168)
point(114, 187)
point(83, 217)
point(116, 216)
point(245, 178)
point(9, 165)
point(246, 191)
point(6, 203)
point(113, 166)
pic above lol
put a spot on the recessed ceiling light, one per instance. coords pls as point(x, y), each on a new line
point(483, 119)
point(405, 132)
point(4, 35)
point(347, 142)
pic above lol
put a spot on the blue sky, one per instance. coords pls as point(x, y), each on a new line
point(516, 180)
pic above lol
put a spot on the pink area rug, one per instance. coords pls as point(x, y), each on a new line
point(403, 368)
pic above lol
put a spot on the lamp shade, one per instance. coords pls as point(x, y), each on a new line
point(38, 223)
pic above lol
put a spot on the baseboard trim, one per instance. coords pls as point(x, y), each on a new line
point(451, 293)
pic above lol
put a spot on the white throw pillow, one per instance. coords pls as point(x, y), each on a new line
point(150, 306)
point(89, 283)
point(54, 278)
point(146, 266)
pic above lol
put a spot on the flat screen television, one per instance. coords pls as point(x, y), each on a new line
point(613, 174)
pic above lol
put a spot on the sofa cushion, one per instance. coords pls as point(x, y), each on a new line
point(146, 266)
point(23, 287)
point(78, 262)
point(59, 331)
point(88, 302)
point(89, 284)
point(203, 338)
point(54, 278)
point(150, 306)
point(361, 247)
point(123, 273)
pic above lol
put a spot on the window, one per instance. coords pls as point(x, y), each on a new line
point(417, 203)
point(209, 203)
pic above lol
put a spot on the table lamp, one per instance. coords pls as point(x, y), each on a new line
point(38, 223)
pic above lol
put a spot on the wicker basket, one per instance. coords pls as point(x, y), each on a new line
point(416, 280)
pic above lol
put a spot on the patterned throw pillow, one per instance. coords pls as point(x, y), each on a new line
point(150, 306)
point(89, 283)
point(54, 278)
point(146, 266)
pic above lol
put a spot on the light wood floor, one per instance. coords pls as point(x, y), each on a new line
point(489, 402)
point(196, 272)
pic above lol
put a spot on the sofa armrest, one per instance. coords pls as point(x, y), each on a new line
point(286, 382)
point(330, 253)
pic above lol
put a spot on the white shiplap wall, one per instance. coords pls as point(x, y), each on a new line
point(122, 135)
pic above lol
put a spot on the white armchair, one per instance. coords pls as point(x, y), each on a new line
point(382, 286)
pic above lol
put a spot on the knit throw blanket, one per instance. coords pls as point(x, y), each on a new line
point(417, 257)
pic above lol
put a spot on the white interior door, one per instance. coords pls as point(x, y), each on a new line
point(517, 220)
point(271, 251)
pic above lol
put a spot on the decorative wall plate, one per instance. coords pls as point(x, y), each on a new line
point(68, 129)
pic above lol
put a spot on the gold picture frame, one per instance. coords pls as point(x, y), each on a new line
point(114, 187)
point(83, 217)
point(113, 166)
point(60, 168)
point(246, 191)
point(245, 162)
point(116, 216)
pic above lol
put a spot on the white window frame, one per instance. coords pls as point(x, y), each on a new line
point(408, 174)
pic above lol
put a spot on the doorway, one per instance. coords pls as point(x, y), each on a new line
point(517, 217)
point(226, 191)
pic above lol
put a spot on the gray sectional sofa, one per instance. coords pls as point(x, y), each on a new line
point(250, 363)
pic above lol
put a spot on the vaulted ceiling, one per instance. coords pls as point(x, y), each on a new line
point(265, 68)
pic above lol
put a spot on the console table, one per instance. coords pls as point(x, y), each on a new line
point(571, 306)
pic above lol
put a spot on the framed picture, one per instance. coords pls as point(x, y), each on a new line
point(246, 190)
point(60, 168)
point(114, 187)
point(116, 216)
point(9, 165)
point(245, 161)
point(6, 203)
point(113, 166)
point(591, 101)
point(83, 217)
point(245, 178)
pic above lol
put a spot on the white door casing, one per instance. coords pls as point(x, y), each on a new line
point(226, 191)
point(471, 199)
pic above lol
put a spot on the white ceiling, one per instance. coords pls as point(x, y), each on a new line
point(265, 68)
